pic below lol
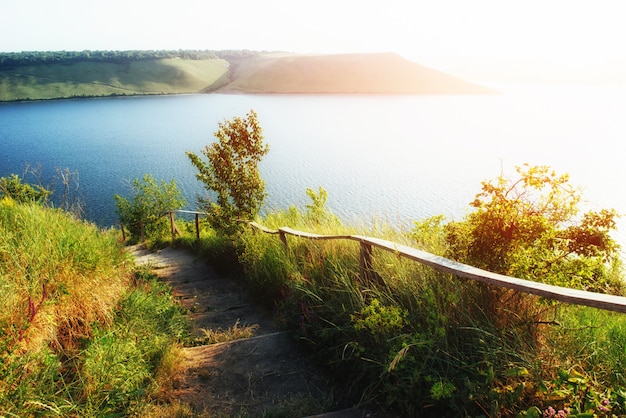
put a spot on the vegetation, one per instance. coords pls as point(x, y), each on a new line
point(38, 75)
point(84, 334)
point(232, 173)
point(530, 228)
point(81, 334)
point(111, 78)
point(28, 58)
point(382, 73)
point(144, 216)
point(14, 188)
point(426, 343)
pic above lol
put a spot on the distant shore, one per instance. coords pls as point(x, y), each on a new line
point(227, 73)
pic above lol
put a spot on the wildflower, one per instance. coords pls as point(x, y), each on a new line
point(549, 413)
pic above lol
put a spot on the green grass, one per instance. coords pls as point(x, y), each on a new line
point(81, 333)
point(426, 343)
point(258, 73)
point(91, 79)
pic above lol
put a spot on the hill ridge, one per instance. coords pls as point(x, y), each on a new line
point(250, 73)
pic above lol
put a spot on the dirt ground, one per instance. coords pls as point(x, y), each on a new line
point(264, 374)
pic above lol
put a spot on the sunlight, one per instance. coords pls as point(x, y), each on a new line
point(486, 37)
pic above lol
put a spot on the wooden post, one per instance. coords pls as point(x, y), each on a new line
point(172, 227)
point(123, 232)
point(197, 228)
point(283, 238)
point(367, 273)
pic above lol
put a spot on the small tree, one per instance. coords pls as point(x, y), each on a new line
point(232, 173)
point(151, 200)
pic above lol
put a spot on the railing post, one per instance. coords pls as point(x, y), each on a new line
point(123, 232)
point(367, 272)
point(172, 227)
point(283, 238)
point(197, 227)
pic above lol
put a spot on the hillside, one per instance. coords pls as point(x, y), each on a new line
point(343, 74)
point(94, 79)
point(226, 72)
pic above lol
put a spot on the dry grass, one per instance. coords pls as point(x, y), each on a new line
point(235, 332)
point(59, 276)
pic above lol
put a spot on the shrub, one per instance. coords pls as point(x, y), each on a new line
point(13, 187)
point(529, 228)
point(151, 200)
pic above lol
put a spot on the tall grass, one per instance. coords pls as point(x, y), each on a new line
point(427, 343)
point(80, 333)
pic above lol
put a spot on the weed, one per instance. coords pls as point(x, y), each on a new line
point(235, 332)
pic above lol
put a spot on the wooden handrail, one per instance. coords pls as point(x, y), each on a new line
point(563, 294)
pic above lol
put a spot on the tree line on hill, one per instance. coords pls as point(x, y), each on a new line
point(26, 58)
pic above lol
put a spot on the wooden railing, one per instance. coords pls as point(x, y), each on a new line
point(367, 244)
point(563, 294)
point(173, 229)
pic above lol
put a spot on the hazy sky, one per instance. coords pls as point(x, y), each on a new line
point(564, 33)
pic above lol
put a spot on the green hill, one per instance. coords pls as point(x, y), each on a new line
point(94, 79)
point(35, 76)
point(343, 74)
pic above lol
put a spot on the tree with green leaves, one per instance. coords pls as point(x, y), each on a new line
point(151, 200)
point(231, 173)
point(531, 227)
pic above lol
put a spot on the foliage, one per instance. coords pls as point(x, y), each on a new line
point(232, 173)
point(426, 343)
point(19, 59)
point(151, 200)
point(79, 334)
point(58, 278)
point(125, 361)
point(111, 79)
point(530, 228)
point(317, 212)
point(13, 187)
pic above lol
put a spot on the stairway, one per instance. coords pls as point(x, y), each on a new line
point(263, 373)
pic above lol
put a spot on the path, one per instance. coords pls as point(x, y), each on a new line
point(263, 374)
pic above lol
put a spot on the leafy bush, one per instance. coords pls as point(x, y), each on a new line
point(151, 200)
point(13, 187)
point(529, 228)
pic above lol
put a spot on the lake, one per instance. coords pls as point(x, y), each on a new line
point(398, 158)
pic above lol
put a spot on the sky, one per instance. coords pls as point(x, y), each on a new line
point(568, 37)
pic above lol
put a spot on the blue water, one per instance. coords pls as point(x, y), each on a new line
point(394, 157)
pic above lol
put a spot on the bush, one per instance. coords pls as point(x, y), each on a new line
point(13, 187)
point(529, 228)
point(151, 200)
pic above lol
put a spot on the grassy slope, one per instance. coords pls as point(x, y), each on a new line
point(263, 73)
point(349, 73)
point(80, 335)
point(165, 76)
